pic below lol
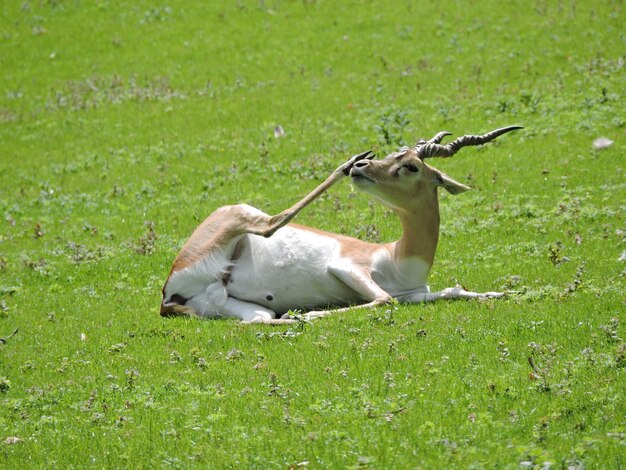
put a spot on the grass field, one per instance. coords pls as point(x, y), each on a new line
point(123, 124)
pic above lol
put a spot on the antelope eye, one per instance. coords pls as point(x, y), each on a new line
point(411, 168)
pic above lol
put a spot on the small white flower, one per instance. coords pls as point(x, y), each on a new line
point(602, 143)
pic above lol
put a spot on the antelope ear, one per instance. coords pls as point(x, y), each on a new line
point(450, 185)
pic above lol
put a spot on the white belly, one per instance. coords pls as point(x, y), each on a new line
point(288, 271)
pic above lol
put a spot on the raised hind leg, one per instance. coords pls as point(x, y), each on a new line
point(267, 227)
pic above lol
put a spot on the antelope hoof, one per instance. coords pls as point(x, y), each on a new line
point(350, 163)
point(492, 295)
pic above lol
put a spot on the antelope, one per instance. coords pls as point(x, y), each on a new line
point(245, 264)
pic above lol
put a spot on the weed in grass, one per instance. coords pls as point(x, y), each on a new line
point(555, 254)
point(5, 385)
point(146, 244)
point(546, 356)
point(611, 330)
point(620, 355)
point(131, 378)
point(576, 283)
point(118, 347)
point(392, 127)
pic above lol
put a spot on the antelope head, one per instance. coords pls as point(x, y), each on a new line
point(402, 179)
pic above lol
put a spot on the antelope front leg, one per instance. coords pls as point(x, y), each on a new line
point(324, 313)
point(287, 215)
point(452, 293)
point(361, 282)
point(459, 293)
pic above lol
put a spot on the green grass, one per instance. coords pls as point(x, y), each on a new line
point(123, 124)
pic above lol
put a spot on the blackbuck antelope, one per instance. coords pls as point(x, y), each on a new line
point(243, 263)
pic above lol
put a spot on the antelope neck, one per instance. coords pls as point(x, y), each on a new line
point(420, 231)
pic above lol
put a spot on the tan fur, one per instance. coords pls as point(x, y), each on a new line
point(413, 198)
point(221, 226)
point(175, 310)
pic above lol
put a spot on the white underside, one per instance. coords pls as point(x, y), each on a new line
point(291, 270)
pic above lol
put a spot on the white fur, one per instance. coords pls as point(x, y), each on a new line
point(193, 280)
point(291, 267)
point(401, 278)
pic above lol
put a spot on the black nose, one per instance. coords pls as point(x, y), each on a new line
point(362, 163)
